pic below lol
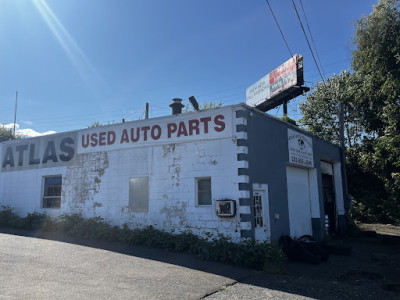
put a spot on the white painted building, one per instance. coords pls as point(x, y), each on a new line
point(170, 172)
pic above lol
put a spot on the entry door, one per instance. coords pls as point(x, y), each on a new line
point(299, 202)
point(261, 215)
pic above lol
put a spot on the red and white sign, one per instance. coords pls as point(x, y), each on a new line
point(283, 77)
point(208, 124)
point(279, 80)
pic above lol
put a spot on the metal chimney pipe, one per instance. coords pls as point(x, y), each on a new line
point(176, 106)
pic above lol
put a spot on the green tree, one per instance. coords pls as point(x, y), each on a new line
point(321, 114)
point(289, 120)
point(376, 61)
point(6, 134)
point(371, 98)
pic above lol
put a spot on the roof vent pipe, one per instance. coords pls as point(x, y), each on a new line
point(177, 106)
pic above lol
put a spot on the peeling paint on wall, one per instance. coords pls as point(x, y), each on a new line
point(82, 180)
point(213, 162)
point(96, 184)
point(170, 148)
point(175, 214)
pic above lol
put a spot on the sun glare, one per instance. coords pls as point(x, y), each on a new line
point(71, 48)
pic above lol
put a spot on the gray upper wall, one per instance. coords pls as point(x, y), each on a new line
point(268, 156)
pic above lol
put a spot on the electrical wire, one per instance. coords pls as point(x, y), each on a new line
point(312, 39)
point(276, 21)
point(308, 42)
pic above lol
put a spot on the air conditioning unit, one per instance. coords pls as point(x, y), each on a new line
point(225, 208)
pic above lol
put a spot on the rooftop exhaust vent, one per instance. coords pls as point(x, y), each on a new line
point(176, 106)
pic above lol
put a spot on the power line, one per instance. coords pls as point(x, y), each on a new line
point(276, 21)
point(312, 39)
point(308, 42)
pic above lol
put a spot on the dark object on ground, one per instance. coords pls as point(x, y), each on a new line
point(337, 249)
point(393, 287)
point(390, 239)
point(368, 233)
point(314, 247)
point(358, 275)
point(305, 251)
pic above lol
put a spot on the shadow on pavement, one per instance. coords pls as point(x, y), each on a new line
point(372, 271)
point(180, 259)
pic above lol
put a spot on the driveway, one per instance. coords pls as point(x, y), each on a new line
point(36, 268)
point(45, 269)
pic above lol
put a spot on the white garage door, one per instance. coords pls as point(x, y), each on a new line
point(299, 202)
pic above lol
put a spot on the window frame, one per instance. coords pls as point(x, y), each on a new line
point(43, 198)
point(197, 179)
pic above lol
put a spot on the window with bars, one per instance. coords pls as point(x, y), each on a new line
point(52, 192)
point(258, 215)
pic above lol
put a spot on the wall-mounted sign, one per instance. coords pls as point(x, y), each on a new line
point(300, 149)
point(61, 149)
point(203, 125)
point(41, 152)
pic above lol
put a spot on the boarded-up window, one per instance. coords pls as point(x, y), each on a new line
point(204, 191)
point(52, 192)
point(139, 194)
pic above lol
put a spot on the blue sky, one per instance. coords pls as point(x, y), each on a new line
point(79, 61)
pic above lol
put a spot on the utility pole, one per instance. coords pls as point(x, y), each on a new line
point(15, 112)
point(347, 200)
point(341, 125)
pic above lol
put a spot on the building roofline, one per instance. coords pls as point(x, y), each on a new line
point(244, 105)
point(294, 127)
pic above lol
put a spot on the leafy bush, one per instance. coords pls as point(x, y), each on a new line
point(33, 220)
point(261, 256)
point(8, 218)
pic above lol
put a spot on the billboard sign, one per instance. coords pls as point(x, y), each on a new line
point(283, 78)
point(258, 92)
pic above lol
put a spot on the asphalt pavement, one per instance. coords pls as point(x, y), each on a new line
point(67, 268)
point(45, 269)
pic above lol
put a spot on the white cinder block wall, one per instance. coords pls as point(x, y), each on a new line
point(103, 188)
point(97, 182)
point(23, 190)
